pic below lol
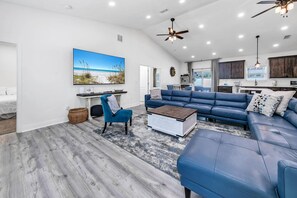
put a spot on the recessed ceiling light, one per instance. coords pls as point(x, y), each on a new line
point(111, 3)
point(214, 53)
point(275, 45)
point(193, 56)
point(69, 7)
point(148, 16)
point(240, 36)
point(208, 42)
point(182, 1)
point(240, 50)
point(201, 26)
point(284, 28)
point(240, 15)
point(185, 47)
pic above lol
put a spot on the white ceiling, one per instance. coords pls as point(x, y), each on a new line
point(222, 26)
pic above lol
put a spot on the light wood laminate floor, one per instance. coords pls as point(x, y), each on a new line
point(72, 161)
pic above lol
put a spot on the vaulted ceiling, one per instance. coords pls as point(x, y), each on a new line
point(221, 23)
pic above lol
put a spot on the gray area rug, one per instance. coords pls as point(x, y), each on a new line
point(156, 148)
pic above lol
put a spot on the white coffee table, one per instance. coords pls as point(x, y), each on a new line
point(176, 121)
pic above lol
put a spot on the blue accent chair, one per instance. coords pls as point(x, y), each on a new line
point(170, 87)
point(123, 115)
point(202, 89)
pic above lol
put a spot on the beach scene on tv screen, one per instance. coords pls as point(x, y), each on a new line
point(93, 68)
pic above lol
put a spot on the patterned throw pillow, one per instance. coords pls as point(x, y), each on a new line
point(254, 104)
point(268, 104)
point(156, 94)
point(287, 96)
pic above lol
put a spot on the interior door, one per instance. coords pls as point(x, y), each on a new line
point(144, 81)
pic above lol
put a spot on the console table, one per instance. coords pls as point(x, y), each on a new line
point(89, 96)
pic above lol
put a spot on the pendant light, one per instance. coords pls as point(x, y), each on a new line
point(257, 65)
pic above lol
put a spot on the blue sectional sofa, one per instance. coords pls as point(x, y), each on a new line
point(215, 164)
point(218, 106)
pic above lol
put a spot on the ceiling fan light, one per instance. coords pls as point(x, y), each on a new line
point(283, 10)
point(278, 9)
point(290, 6)
point(174, 37)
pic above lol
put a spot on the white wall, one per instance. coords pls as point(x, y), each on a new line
point(263, 59)
point(8, 65)
point(45, 41)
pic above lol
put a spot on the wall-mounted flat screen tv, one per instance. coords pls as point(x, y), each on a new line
point(91, 68)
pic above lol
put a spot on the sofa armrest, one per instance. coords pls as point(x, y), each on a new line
point(147, 97)
point(287, 179)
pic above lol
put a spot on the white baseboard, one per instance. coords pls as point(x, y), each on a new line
point(42, 125)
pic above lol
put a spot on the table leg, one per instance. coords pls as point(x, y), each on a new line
point(89, 108)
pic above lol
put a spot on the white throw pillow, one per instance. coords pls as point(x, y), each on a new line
point(2, 91)
point(113, 104)
point(11, 91)
point(268, 104)
point(254, 104)
point(156, 94)
point(287, 96)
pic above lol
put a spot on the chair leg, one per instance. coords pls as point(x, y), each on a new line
point(105, 124)
point(187, 193)
point(110, 124)
point(126, 128)
point(131, 121)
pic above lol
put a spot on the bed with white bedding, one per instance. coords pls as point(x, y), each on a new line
point(8, 105)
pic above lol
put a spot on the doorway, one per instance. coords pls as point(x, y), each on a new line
point(149, 79)
point(8, 87)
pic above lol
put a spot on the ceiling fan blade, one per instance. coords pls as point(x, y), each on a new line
point(267, 2)
point(264, 11)
point(166, 38)
point(163, 34)
point(180, 37)
point(182, 32)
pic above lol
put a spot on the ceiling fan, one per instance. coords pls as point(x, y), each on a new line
point(281, 6)
point(172, 34)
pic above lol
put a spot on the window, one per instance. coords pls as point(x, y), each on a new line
point(202, 77)
point(257, 73)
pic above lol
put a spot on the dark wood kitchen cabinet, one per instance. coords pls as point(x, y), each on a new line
point(225, 70)
point(283, 67)
point(231, 70)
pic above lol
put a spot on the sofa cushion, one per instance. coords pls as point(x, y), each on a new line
point(229, 112)
point(272, 154)
point(174, 103)
point(155, 103)
point(166, 94)
point(293, 105)
point(270, 134)
point(203, 97)
point(214, 160)
point(182, 96)
point(231, 100)
point(276, 121)
point(201, 108)
point(291, 117)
